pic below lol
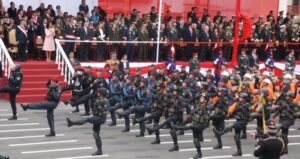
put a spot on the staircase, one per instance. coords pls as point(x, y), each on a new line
point(35, 76)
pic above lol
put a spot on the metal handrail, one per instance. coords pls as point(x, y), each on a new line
point(63, 63)
point(6, 60)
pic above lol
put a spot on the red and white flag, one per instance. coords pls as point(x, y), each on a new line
point(172, 51)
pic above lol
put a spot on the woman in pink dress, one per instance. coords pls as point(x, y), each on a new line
point(49, 45)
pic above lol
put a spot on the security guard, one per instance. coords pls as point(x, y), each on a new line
point(53, 95)
point(199, 121)
point(243, 61)
point(270, 148)
point(287, 110)
point(240, 111)
point(13, 88)
point(99, 117)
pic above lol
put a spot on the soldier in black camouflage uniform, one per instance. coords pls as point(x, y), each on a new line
point(99, 117)
point(287, 111)
point(241, 114)
point(198, 121)
point(219, 114)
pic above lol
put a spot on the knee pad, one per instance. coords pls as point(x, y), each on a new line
point(196, 142)
point(96, 135)
point(173, 132)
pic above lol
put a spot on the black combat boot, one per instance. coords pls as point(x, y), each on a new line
point(99, 147)
point(199, 153)
point(175, 141)
point(13, 117)
point(219, 145)
point(24, 106)
point(238, 146)
point(70, 123)
point(50, 134)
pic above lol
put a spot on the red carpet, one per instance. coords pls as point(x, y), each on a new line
point(35, 76)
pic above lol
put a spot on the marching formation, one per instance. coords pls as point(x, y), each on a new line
point(181, 101)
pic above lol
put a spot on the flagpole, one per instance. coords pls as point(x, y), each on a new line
point(158, 31)
point(236, 31)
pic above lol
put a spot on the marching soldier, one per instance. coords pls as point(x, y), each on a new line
point(144, 97)
point(240, 111)
point(287, 110)
point(99, 117)
point(262, 111)
point(13, 88)
point(173, 114)
point(53, 95)
point(219, 112)
point(88, 80)
point(156, 110)
point(198, 121)
point(129, 99)
point(115, 97)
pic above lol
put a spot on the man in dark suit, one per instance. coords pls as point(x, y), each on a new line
point(124, 63)
point(130, 35)
point(204, 48)
point(70, 35)
point(12, 11)
point(192, 14)
point(21, 37)
point(41, 28)
point(84, 47)
point(253, 58)
point(189, 35)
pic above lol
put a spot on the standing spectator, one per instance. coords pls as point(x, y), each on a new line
point(153, 14)
point(100, 34)
point(124, 63)
point(204, 48)
point(49, 45)
point(189, 36)
point(143, 35)
point(84, 47)
point(290, 61)
point(21, 37)
point(12, 11)
point(243, 61)
point(42, 9)
point(130, 36)
point(253, 58)
point(70, 35)
point(193, 15)
point(31, 34)
point(83, 7)
point(41, 28)
point(29, 11)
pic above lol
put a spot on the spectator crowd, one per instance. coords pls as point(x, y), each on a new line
point(42, 24)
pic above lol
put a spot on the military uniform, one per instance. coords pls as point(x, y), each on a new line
point(53, 95)
point(219, 114)
point(243, 62)
point(144, 98)
point(287, 112)
point(115, 96)
point(194, 64)
point(241, 111)
point(198, 121)
point(13, 88)
point(88, 79)
point(129, 99)
point(99, 117)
